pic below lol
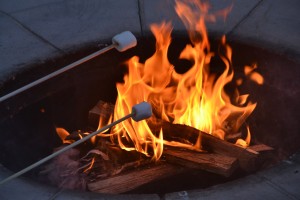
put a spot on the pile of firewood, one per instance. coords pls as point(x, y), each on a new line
point(110, 169)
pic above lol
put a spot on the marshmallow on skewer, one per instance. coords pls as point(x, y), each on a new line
point(121, 42)
point(124, 41)
point(141, 111)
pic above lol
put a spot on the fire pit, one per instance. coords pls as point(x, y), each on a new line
point(33, 120)
point(30, 120)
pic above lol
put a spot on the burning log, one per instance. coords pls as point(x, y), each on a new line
point(110, 160)
point(260, 148)
point(133, 179)
point(211, 162)
point(247, 157)
point(265, 158)
point(117, 155)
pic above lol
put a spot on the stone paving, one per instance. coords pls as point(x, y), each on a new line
point(35, 30)
point(280, 182)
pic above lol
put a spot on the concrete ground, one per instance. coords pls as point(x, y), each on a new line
point(33, 31)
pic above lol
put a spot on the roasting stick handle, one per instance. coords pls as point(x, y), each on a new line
point(139, 112)
point(34, 165)
point(60, 71)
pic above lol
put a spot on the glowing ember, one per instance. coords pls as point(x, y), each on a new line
point(196, 98)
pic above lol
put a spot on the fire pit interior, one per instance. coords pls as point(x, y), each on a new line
point(30, 119)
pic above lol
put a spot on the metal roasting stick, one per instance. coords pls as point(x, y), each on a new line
point(139, 112)
point(60, 71)
point(121, 42)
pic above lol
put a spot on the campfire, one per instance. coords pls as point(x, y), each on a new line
point(199, 117)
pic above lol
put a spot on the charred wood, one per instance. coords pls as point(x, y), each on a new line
point(132, 179)
point(211, 162)
point(246, 156)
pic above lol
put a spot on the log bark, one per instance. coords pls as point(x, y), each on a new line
point(211, 162)
point(133, 179)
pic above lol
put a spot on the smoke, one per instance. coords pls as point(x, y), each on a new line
point(64, 171)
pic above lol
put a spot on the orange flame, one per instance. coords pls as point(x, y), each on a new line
point(63, 133)
point(196, 98)
point(246, 142)
point(254, 76)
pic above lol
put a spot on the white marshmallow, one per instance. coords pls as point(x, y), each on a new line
point(124, 41)
point(141, 111)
